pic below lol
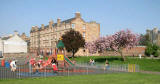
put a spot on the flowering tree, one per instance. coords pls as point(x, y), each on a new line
point(91, 47)
point(100, 45)
point(124, 39)
point(117, 42)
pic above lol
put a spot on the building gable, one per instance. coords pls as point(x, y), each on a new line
point(15, 40)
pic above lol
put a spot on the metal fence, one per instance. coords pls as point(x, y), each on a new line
point(26, 71)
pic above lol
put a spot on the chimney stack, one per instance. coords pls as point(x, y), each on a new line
point(58, 21)
point(36, 28)
point(50, 23)
point(42, 25)
point(78, 15)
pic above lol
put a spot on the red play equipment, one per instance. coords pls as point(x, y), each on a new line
point(62, 61)
point(3, 62)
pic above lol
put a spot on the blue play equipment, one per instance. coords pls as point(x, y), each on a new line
point(7, 64)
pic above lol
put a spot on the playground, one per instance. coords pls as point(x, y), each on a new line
point(56, 64)
point(29, 69)
point(38, 66)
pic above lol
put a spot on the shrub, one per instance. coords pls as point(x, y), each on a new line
point(152, 49)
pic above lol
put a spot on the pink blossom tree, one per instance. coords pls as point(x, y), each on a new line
point(91, 47)
point(124, 39)
point(117, 42)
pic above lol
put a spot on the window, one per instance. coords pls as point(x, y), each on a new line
point(68, 26)
point(84, 26)
point(73, 26)
point(84, 35)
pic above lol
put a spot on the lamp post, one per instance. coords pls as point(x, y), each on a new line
point(3, 48)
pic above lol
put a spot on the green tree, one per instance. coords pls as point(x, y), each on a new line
point(144, 40)
point(156, 50)
point(148, 50)
point(152, 49)
point(73, 40)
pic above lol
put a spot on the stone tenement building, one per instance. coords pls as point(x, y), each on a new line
point(44, 38)
point(154, 36)
point(24, 37)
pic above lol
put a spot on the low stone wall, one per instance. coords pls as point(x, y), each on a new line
point(130, 52)
point(11, 56)
point(135, 51)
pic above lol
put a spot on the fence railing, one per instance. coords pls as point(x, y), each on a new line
point(27, 71)
point(113, 67)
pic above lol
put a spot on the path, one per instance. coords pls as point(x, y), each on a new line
point(150, 72)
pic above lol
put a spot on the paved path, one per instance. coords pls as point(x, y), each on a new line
point(5, 73)
point(150, 72)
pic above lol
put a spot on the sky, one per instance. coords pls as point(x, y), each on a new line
point(113, 15)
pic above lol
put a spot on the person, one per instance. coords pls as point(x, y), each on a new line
point(13, 65)
point(32, 63)
point(140, 56)
point(106, 65)
point(93, 62)
point(90, 62)
point(54, 62)
point(36, 67)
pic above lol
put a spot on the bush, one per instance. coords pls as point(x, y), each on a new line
point(152, 49)
point(149, 50)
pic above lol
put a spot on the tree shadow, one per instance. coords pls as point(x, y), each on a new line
point(102, 60)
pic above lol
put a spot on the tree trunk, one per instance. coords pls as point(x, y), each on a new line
point(73, 53)
point(123, 57)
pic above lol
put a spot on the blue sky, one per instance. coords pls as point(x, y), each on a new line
point(113, 15)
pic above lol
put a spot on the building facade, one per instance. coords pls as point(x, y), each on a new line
point(13, 44)
point(44, 38)
point(154, 36)
point(24, 37)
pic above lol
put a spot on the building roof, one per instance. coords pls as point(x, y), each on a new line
point(68, 20)
point(55, 24)
point(6, 38)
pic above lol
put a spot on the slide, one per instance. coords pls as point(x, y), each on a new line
point(46, 63)
point(68, 61)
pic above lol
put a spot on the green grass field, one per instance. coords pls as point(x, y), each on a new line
point(145, 64)
point(111, 78)
point(114, 78)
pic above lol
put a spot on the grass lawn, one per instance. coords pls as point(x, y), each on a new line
point(144, 63)
point(114, 78)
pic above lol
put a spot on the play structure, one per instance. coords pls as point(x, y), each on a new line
point(57, 61)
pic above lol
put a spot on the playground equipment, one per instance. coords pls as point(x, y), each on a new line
point(131, 68)
point(62, 61)
point(2, 62)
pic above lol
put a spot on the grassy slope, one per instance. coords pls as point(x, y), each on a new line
point(114, 78)
point(145, 64)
